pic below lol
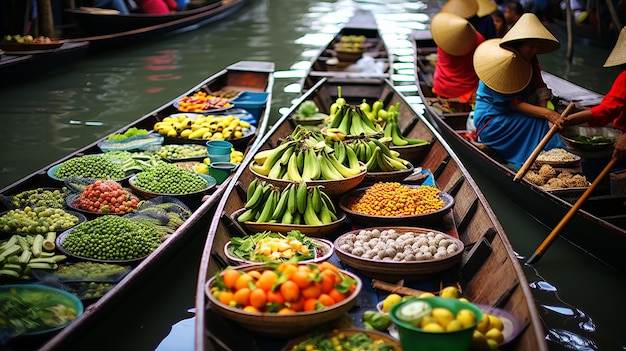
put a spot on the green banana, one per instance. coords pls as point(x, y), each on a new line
point(383, 163)
point(300, 161)
point(316, 171)
point(345, 171)
point(340, 150)
point(281, 206)
point(258, 195)
point(265, 168)
point(345, 121)
point(396, 136)
point(292, 169)
point(247, 215)
point(268, 209)
point(328, 172)
point(372, 163)
point(316, 199)
point(395, 164)
point(353, 161)
point(356, 124)
point(275, 171)
point(251, 189)
point(297, 218)
point(370, 128)
point(324, 212)
point(292, 204)
point(284, 158)
point(328, 201)
point(287, 218)
point(310, 217)
point(301, 196)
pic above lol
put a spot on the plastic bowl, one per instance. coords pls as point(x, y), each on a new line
point(415, 339)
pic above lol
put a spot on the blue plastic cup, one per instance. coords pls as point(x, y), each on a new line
point(221, 170)
point(218, 147)
point(219, 158)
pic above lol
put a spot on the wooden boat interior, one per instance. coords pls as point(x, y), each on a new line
point(489, 273)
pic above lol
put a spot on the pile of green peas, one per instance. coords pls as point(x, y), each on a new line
point(90, 166)
point(167, 178)
point(181, 151)
point(112, 238)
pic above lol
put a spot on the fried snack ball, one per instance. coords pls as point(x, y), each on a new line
point(535, 178)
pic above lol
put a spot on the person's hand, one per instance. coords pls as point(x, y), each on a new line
point(555, 118)
point(620, 147)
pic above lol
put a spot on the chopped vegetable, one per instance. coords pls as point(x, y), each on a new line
point(270, 246)
point(341, 342)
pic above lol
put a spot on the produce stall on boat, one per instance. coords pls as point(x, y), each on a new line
point(479, 263)
point(98, 221)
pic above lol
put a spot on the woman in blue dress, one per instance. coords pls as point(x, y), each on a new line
point(511, 116)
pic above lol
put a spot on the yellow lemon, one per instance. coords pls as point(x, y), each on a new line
point(391, 300)
point(433, 328)
point(454, 325)
point(494, 334)
point(493, 345)
point(463, 299)
point(443, 316)
point(483, 324)
point(466, 317)
point(479, 342)
point(495, 322)
point(427, 320)
point(450, 291)
point(427, 294)
point(206, 161)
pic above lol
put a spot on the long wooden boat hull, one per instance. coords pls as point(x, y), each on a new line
point(244, 75)
point(98, 23)
point(362, 23)
point(598, 227)
point(18, 66)
point(99, 43)
point(489, 273)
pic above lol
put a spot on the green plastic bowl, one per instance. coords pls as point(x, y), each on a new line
point(414, 339)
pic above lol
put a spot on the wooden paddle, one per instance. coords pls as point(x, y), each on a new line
point(541, 249)
point(533, 156)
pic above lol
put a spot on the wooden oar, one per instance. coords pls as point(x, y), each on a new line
point(533, 156)
point(541, 249)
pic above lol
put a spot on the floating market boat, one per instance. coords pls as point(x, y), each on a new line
point(356, 51)
point(488, 274)
point(598, 228)
point(19, 62)
point(244, 77)
point(106, 31)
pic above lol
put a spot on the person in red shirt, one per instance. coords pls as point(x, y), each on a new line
point(157, 7)
point(612, 108)
point(456, 41)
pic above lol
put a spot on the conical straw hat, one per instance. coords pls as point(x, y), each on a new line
point(618, 54)
point(529, 27)
point(453, 34)
point(463, 8)
point(501, 69)
point(486, 7)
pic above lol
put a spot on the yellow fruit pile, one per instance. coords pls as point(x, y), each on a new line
point(488, 333)
point(202, 127)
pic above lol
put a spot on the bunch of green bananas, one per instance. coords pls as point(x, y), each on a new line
point(392, 129)
point(351, 120)
point(305, 156)
point(295, 204)
point(376, 154)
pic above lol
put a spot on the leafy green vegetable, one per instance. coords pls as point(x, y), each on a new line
point(593, 140)
point(129, 133)
point(308, 108)
point(339, 342)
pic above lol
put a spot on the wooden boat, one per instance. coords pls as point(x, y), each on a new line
point(96, 21)
point(599, 227)
point(128, 34)
point(330, 61)
point(17, 65)
point(490, 273)
point(252, 76)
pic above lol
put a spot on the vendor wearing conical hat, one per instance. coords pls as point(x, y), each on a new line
point(504, 119)
point(477, 12)
point(456, 41)
point(612, 109)
point(529, 37)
